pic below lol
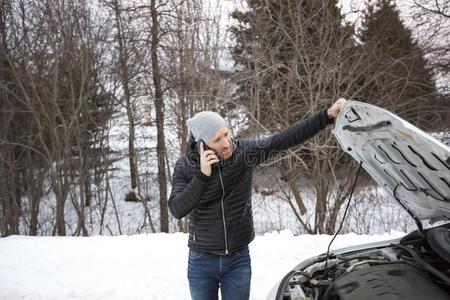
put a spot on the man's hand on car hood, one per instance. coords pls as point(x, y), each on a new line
point(334, 110)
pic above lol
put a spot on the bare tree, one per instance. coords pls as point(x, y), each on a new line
point(125, 78)
point(193, 76)
point(296, 57)
point(431, 24)
point(159, 108)
point(53, 67)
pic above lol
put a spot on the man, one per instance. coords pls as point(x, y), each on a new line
point(213, 184)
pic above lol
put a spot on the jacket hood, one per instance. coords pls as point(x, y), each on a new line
point(191, 143)
point(408, 163)
point(192, 149)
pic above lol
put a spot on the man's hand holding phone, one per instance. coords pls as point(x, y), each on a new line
point(207, 158)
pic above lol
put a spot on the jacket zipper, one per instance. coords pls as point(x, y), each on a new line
point(223, 213)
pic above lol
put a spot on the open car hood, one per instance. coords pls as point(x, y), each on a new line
point(411, 165)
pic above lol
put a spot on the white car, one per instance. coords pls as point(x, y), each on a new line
point(414, 168)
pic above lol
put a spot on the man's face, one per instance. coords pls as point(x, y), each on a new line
point(221, 143)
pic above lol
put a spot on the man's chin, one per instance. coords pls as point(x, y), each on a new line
point(226, 155)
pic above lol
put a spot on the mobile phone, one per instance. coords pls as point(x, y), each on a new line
point(205, 146)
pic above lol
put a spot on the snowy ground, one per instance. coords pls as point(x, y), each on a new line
point(148, 266)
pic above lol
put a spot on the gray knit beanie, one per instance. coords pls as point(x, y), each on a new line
point(204, 125)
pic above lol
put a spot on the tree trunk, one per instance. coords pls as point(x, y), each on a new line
point(293, 186)
point(321, 209)
point(126, 89)
point(35, 192)
point(60, 226)
point(159, 108)
point(60, 187)
point(34, 216)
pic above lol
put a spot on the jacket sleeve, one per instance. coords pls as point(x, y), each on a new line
point(259, 150)
point(185, 195)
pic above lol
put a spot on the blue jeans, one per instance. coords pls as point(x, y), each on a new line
point(232, 272)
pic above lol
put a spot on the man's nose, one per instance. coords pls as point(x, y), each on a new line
point(226, 143)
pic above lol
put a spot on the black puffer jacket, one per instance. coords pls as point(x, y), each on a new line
point(220, 205)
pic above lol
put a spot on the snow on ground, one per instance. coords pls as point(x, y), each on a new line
point(147, 266)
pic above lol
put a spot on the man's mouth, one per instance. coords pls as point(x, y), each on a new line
point(226, 153)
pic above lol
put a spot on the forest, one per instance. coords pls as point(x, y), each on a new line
point(95, 94)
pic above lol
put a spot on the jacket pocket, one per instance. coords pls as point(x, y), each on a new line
point(194, 220)
point(248, 209)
